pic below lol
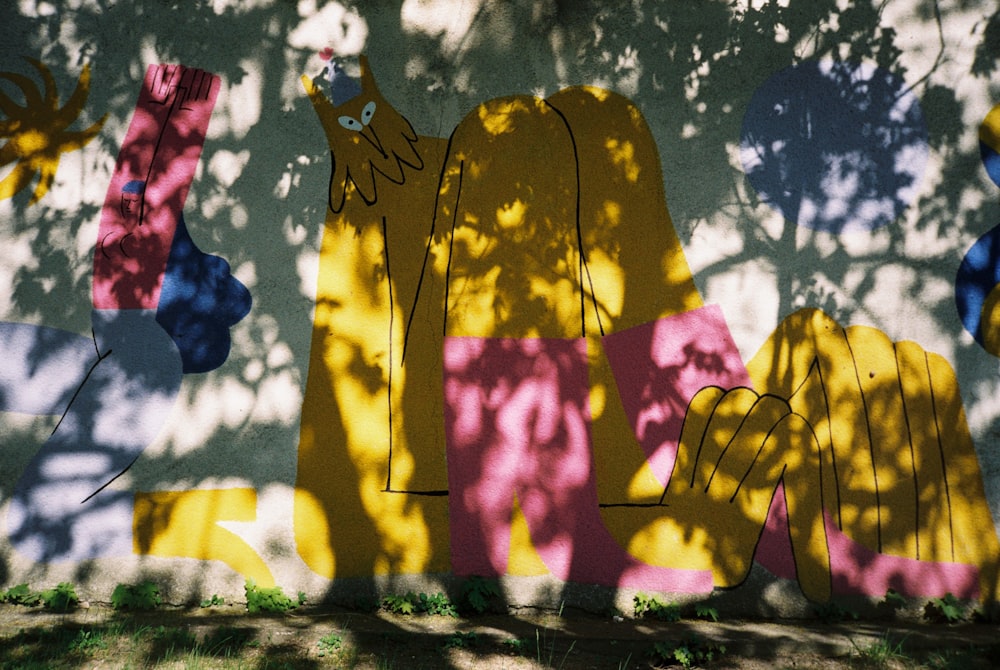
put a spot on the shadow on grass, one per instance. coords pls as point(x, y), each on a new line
point(345, 640)
point(130, 642)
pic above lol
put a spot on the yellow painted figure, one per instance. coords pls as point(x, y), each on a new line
point(512, 372)
point(357, 455)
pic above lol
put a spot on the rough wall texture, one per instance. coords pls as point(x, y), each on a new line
point(593, 298)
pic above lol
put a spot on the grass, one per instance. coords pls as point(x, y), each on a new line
point(134, 645)
point(886, 653)
point(230, 641)
point(129, 641)
point(882, 653)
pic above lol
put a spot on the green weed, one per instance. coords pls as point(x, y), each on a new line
point(831, 612)
point(214, 601)
point(480, 594)
point(21, 595)
point(144, 596)
point(87, 641)
point(228, 641)
point(947, 609)
point(329, 644)
point(545, 649)
point(406, 604)
point(893, 599)
point(460, 640)
point(411, 603)
point(517, 644)
point(652, 606)
point(267, 599)
point(703, 611)
point(171, 639)
point(688, 652)
point(437, 603)
point(62, 598)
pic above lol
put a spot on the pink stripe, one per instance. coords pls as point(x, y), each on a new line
point(660, 366)
point(859, 570)
point(518, 420)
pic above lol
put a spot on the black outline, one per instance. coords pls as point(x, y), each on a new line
point(944, 465)
point(583, 265)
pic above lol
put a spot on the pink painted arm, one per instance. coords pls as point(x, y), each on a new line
point(150, 183)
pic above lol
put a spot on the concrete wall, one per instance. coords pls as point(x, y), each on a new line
point(596, 299)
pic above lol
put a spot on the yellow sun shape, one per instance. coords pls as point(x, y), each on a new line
point(37, 133)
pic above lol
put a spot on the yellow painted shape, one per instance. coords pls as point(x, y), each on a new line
point(184, 524)
point(344, 449)
point(37, 134)
point(549, 221)
point(515, 262)
point(900, 472)
point(974, 536)
point(523, 559)
point(990, 324)
point(312, 534)
point(372, 425)
point(637, 274)
point(583, 157)
point(810, 351)
point(989, 129)
point(888, 425)
point(593, 251)
point(734, 449)
point(931, 508)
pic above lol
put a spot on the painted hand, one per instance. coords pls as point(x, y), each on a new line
point(736, 447)
point(899, 473)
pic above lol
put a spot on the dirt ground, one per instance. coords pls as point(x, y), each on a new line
point(525, 639)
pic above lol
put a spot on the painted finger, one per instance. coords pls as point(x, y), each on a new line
point(728, 415)
point(808, 360)
point(744, 450)
point(932, 508)
point(888, 429)
point(742, 499)
point(696, 420)
point(841, 424)
point(805, 511)
point(793, 446)
point(974, 536)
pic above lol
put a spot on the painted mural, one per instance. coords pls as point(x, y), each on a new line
point(161, 308)
point(512, 371)
point(514, 365)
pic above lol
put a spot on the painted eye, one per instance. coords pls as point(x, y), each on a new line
point(350, 123)
point(368, 112)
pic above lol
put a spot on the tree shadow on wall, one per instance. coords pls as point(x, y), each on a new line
point(690, 78)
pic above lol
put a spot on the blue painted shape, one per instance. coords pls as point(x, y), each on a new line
point(343, 86)
point(977, 274)
point(59, 509)
point(991, 161)
point(199, 301)
point(134, 186)
point(834, 147)
point(43, 367)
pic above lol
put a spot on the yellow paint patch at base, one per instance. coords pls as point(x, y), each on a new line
point(523, 560)
point(312, 534)
point(184, 524)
